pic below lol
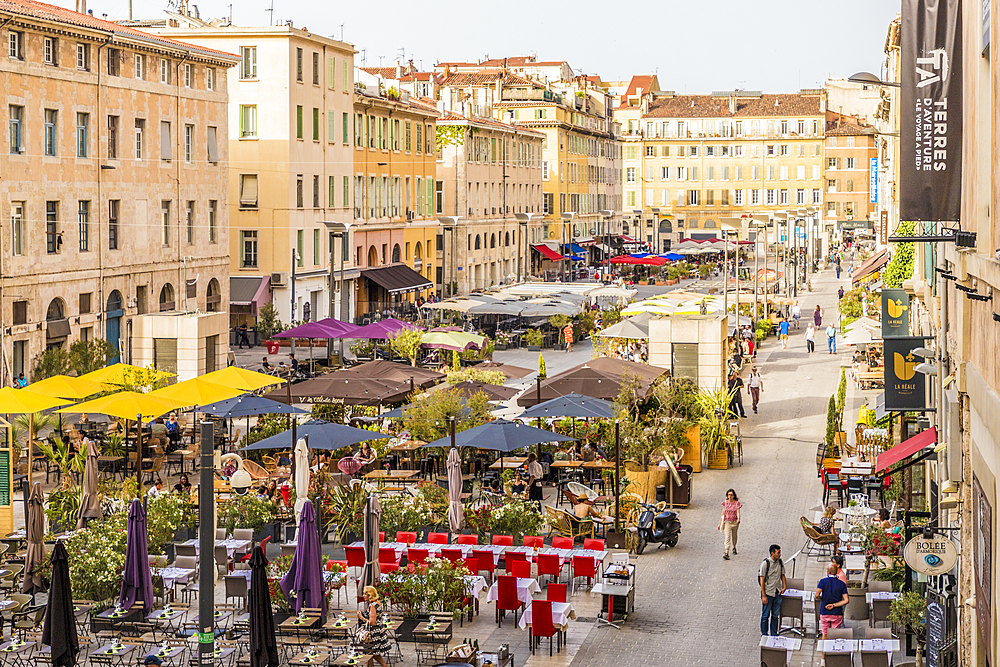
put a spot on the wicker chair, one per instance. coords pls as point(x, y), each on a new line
point(567, 525)
point(817, 543)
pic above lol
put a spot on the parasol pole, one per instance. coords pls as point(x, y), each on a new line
point(138, 453)
point(31, 454)
point(618, 462)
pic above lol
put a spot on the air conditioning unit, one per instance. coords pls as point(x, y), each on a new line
point(278, 279)
point(410, 215)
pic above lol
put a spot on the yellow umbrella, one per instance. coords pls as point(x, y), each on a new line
point(127, 405)
point(241, 378)
point(22, 401)
point(196, 391)
point(115, 374)
point(66, 386)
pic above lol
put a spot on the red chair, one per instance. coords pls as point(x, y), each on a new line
point(510, 557)
point(555, 593)
point(584, 567)
point(387, 559)
point(484, 563)
point(405, 537)
point(467, 539)
point(594, 544)
point(541, 625)
point(355, 558)
point(507, 599)
point(521, 569)
point(381, 536)
point(534, 542)
point(503, 540)
point(548, 564)
point(438, 538)
point(417, 555)
point(454, 555)
point(263, 547)
point(559, 542)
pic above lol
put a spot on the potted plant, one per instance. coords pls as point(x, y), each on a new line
point(503, 340)
point(714, 427)
point(247, 512)
point(908, 611)
point(534, 338)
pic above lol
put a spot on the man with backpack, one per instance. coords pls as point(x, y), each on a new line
point(772, 585)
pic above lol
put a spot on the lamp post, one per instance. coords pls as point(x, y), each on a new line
point(449, 222)
point(758, 222)
point(606, 215)
point(656, 229)
point(727, 226)
point(339, 230)
point(567, 217)
point(206, 542)
point(523, 220)
point(291, 308)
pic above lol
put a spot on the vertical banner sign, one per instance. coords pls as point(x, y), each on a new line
point(873, 181)
point(982, 552)
point(930, 131)
point(895, 313)
point(904, 386)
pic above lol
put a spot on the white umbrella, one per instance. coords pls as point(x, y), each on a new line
point(456, 515)
point(859, 336)
point(301, 477)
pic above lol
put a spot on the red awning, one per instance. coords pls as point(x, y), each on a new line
point(623, 259)
point(627, 239)
point(906, 449)
point(547, 252)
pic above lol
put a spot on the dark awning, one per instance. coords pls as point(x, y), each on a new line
point(871, 265)
point(906, 449)
point(243, 289)
point(57, 328)
point(397, 278)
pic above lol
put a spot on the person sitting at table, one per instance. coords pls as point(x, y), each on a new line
point(516, 487)
point(882, 521)
point(158, 431)
point(266, 366)
point(156, 489)
point(588, 452)
point(270, 490)
point(585, 510)
point(825, 524)
point(183, 484)
point(173, 433)
point(366, 454)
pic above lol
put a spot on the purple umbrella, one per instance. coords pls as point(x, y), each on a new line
point(383, 329)
point(305, 575)
point(137, 582)
point(328, 328)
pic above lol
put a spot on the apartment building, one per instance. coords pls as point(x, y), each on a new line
point(113, 182)
point(291, 104)
point(850, 176)
point(693, 159)
point(395, 228)
point(489, 175)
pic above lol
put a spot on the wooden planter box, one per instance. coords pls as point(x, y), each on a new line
point(692, 453)
point(642, 282)
point(534, 348)
point(499, 346)
point(718, 459)
point(645, 483)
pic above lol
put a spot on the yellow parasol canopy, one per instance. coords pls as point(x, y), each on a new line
point(22, 401)
point(127, 405)
point(241, 378)
point(196, 391)
point(66, 386)
point(115, 374)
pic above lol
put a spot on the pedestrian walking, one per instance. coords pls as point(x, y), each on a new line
point(796, 314)
point(810, 339)
point(840, 293)
point(817, 317)
point(831, 595)
point(783, 333)
point(736, 389)
point(772, 585)
point(243, 339)
point(729, 523)
point(568, 337)
point(838, 269)
point(831, 338)
point(755, 384)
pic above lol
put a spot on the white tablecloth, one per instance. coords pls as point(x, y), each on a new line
point(525, 589)
point(807, 596)
point(787, 643)
point(881, 595)
point(562, 613)
point(474, 585)
point(232, 545)
point(174, 575)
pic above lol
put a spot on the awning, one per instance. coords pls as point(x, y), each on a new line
point(603, 248)
point(576, 249)
point(586, 240)
point(547, 252)
point(871, 265)
point(627, 239)
point(56, 329)
point(906, 449)
point(880, 412)
point(397, 278)
point(246, 290)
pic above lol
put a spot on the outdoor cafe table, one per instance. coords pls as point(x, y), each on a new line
point(837, 645)
point(562, 614)
point(509, 462)
point(789, 644)
point(308, 659)
point(8, 604)
point(525, 589)
point(116, 616)
point(881, 595)
point(807, 596)
point(401, 476)
point(15, 652)
point(565, 555)
point(169, 653)
point(219, 617)
point(886, 645)
point(410, 447)
point(166, 617)
point(348, 660)
point(232, 545)
point(122, 651)
point(299, 623)
point(439, 630)
point(173, 575)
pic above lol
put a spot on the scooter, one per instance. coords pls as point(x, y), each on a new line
point(657, 524)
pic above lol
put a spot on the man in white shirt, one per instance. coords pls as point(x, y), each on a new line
point(796, 314)
point(535, 474)
point(755, 384)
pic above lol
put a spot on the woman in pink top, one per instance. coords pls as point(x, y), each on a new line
point(729, 523)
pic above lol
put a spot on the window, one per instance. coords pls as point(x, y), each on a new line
point(817, 197)
point(420, 137)
point(784, 172)
point(166, 145)
point(188, 143)
point(165, 226)
point(770, 150)
point(315, 124)
point(112, 137)
point(248, 121)
point(50, 131)
point(709, 197)
point(140, 127)
point(800, 172)
point(17, 228)
point(189, 223)
point(739, 128)
point(738, 151)
point(140, 66)
point(831, 163)
point(770, 173)
point(299, 248)
point(692, 197)
point(783, 197)
point(16, 129)
point(755, 197)
point(783, 149)
point(20, 312)
point(248, 65)
point(344, 126)
point(165, 71)
point(298, 65)
point(738, 196)
point(665, 151)
point(316, 203)
point(710, 173)
point(709, 151)
point(801, 127)
point(770, 197)
point(331, 72)
point(299, 195)
point(693, 173)
point(188, 75)
point(664, 173)
point(849, 185)
point(213, 211)
point(15, 41)
point(50, 51)
point(407, 143)
point(317, 247)
point(831, 185)
point(315, 69)
point(630, 174)
point(210, 78)
point(784, 127)
point(115, 58)
point(347, 76)
point(52, 238)
point(298, 122)
point(213, 144)
point(850, 163)
point(650, 151)
point(113, 206)
point(815, 172)
point(693, 151)
point(83, 223)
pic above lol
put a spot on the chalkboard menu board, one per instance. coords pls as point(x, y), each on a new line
point(935, 632)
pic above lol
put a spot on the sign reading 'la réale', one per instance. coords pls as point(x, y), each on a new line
point(895, 313)
point(904, 386)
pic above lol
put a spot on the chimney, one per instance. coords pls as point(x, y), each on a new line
point(81, 6)
point(399, 71)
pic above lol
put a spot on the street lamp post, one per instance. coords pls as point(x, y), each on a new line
point(206, 541)
point(566, 217)
point(606, 215)
point(523, 220)
point(728, 225)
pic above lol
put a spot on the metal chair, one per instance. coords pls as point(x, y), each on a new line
point(879, 612)
point(792, 607)
point(236, 587)
point(773, 657)
point(839, 633)
point(832, 482)
point(879, 586)
point(185, 550)
point(874, 659)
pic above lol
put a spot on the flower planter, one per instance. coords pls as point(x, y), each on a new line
point(534, 348)
point(718, 459)
point(643, 282)
point(857, 605)
point(645, 483)
point(499, 346)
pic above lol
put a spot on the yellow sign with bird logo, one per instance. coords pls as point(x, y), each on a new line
point(895, 313)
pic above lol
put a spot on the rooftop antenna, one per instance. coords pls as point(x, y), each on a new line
point(380, 60)
point(401, 52)
point(271, 11)
point(341, 32)
point(364, 57)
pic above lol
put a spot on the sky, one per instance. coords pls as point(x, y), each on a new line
point(767, 45)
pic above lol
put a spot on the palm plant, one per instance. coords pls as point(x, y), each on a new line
point(714, 406)
point(65, 460)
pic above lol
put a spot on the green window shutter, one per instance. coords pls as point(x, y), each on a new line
point(344, 119)
point(347, 192)
point(315, 124)
point(331, 203)
point(317, 245)
point(429, 199)
point(298, 122)
point(331, 126)
point(331, 72)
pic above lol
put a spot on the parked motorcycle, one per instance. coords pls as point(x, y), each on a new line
point(657, 524)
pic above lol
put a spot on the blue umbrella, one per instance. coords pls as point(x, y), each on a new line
point(305, 575)
point(137, 582)
point(322, 435)
point(502, 436)
point(672, 256)
point(249, 405)
point(572, 405)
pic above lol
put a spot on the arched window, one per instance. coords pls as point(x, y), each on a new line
point(372, 256)
point(167, 298)
point(479, 244)
point(395, 253)
point(709, 224)
point(114, 301)
point(56, 310)
point(665, 227)
point(417, 252)
point(213, 297)
point(493, 240)
point(506, 239)
point(624, 228)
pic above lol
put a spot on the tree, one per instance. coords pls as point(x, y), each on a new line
point(541, 367)
point(268, 322)
point(900, 268)
point(427, 419)
point(406, 342)
point(87, 356)
point(53, 361)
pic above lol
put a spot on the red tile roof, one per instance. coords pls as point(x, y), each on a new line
point(689, 106)
point(485, 77)
point(793, 104)
point(458, 118)
point(520, 61)
point(384, 72)
point(712, 106)
point(644, 81)
point(44, 12)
